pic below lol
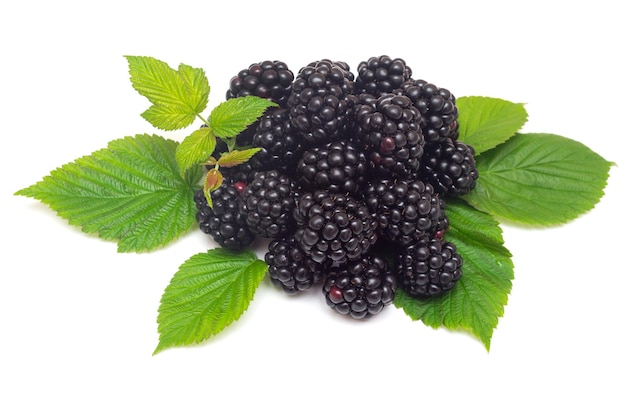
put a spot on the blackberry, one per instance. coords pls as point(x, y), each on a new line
point(321, 100)
point(428, 267)
point(337, 167)
point(450, 167)
point(437, 107)
point(267, 203)
point(280, 143)
point(335, 227)
point(361, 288)
point(290, 268)
point(389, 127)
point(406, 210)
point(267, 79)
point(223, 222)
point(381, 75)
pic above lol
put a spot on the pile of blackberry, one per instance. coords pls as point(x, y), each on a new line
point(348, 192)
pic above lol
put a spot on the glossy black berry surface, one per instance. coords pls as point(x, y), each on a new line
point(267, 203)
point(290, 268)
point(429, 267)
point(361, 288)
point(406, 210)
point(333, 227)
point(223, 222)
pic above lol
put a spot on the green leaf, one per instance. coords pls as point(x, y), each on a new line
point(208, 292)
point(230, 118)
point(485, 122)
point(236, 157)
point(195, 148)
point(177, 97)
point(131, 192)
point(539, 179)
point(477, 300)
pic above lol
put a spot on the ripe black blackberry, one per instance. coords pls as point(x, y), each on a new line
point(280, 143)
point(290, 268)
point(437, 107)
point(381, 74)
point(450, 167)
point(389, 127)
point(337, 167)
point(267, 79)
point(321, 100)
point(361, 288)
point(428, 267)
point(406, 210)
point(335, 227)
point(267, 203)
point(223, 222)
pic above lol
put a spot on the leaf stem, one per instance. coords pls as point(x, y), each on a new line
point(205, 121)
point(231, 143)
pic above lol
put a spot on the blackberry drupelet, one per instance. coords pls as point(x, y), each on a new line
point(280, 143)
point(406, 210)
point(267, 204)
point(361, 288)
point(437, 107)
point(389, 128)
point(267, 79)
point(223, 222)
point(321, 100)
point(337, 167)
point(381, 75)
point(335, 227)
point(450, 167)
point(290, 268)
point(428, 267)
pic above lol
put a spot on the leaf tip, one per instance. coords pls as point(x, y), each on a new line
point(20, 192)
point(160, 347)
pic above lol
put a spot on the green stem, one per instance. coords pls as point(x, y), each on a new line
point(231, 143)
point(205, 121)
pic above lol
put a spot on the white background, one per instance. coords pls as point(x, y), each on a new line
point(78, 320)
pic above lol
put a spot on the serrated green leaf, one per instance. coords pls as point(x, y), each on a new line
point(230, 118)
point(209, 291)
point(196, 148)
point(197, 87)
point(236, 157)
point(177, 97)
point(168, 117)
point(477, 300)
point(485, 122)
point(539, 179)
point(131, 192)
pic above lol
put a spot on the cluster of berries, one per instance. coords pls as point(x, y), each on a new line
point(350, 167)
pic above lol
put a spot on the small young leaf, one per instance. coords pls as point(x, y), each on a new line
point(230, 118)
point(212, 181)
point(177, 97)
point(539, 179)
point(236, 157)
point(208, 292)
point(131, 192)
point(477, 300)
point(195, 148)
point(485, 122)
